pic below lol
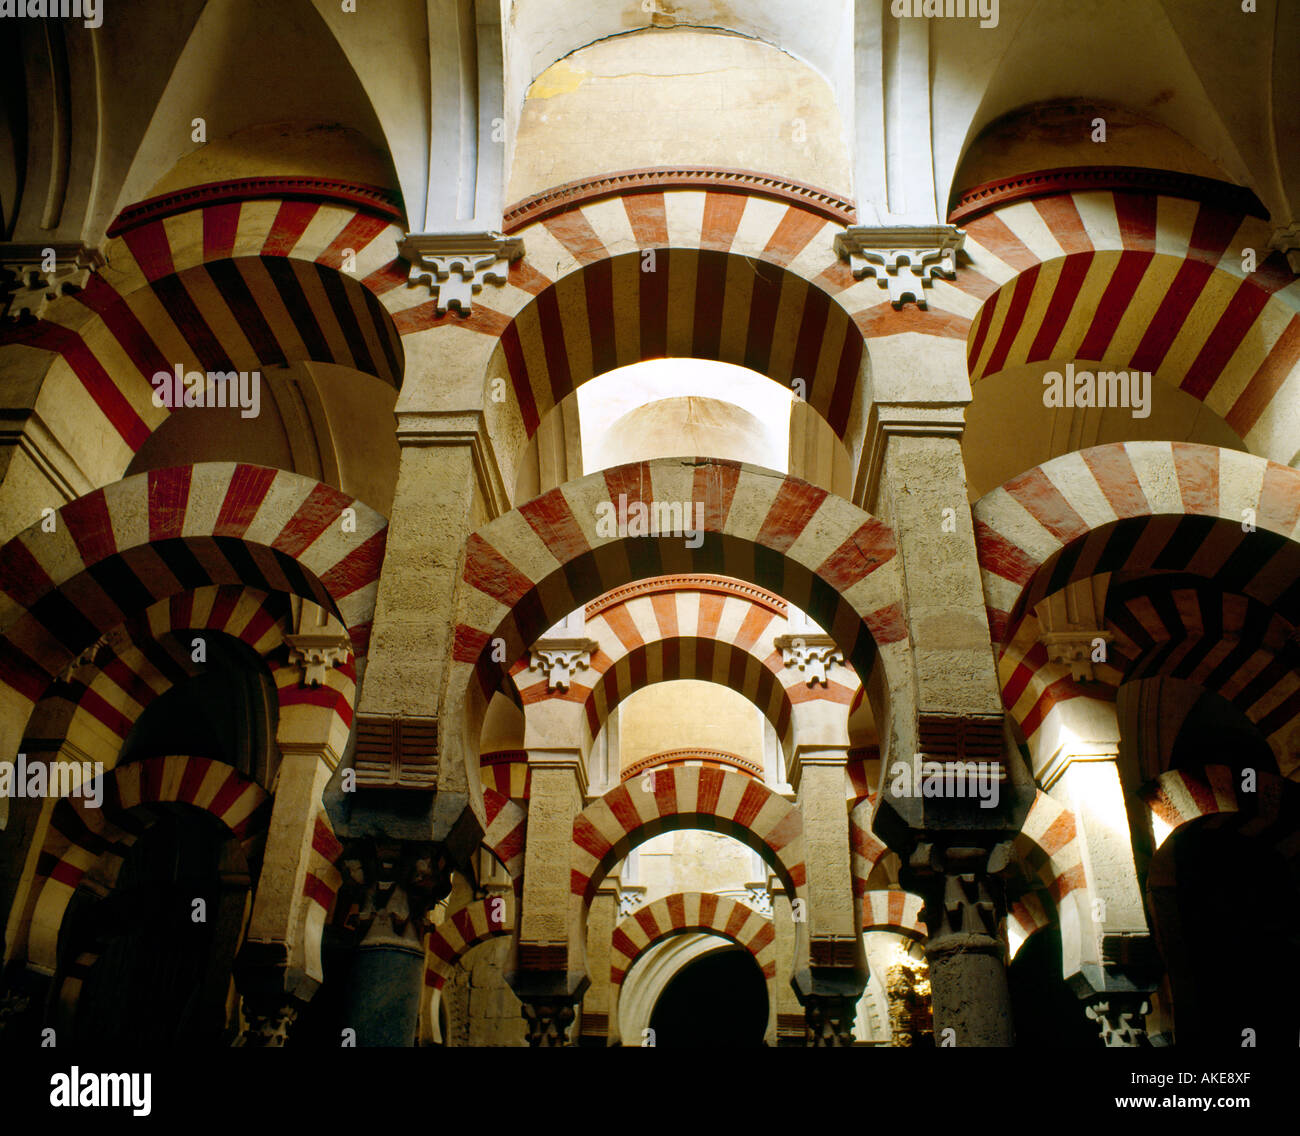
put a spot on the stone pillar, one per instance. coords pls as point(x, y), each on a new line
point(398, 885)
point(598, 1004)
point(1108, 953)
point(836, 972)
point(966, 948)
point(548, 968)
point(791, 1020)
point(955, 841)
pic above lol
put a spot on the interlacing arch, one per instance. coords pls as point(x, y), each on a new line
point(530, 567)
point(504, 834)
point(88, 843)
point(1057, 883)
point(121, 549)
point(1134, 281)
point(692, 911)
point(667, 630)
point(1228, 517)
point(717, 800)
point(214, 280)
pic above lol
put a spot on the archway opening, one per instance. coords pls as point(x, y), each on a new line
point(717, 1001)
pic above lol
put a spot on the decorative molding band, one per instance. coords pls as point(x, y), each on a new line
point(651, 179)
point(720, 585)
point(981, 199)
point(504, 757)
point(373, 199)
point(678, 756)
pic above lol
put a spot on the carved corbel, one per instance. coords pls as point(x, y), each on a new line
point(455, 266)
point(902, 258)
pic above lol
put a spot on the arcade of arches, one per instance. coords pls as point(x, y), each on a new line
point(638, 586)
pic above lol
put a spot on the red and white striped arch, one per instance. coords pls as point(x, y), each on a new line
point(505, 834)
point(230, 284)
point(1150, 283)
point(96, 707)
point(669, 632)
point(743, 279)
point(1170, 506)
point(692, 911)
point(530, 567)
point(474, 922)
point(1180, 796)
point(82, 839)
point(121, 549)
point(1224, 642)
point(891, 909)
point(730, 803)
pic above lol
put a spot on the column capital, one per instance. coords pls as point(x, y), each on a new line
point(902, 258)
point(32, 276)
point(455, 266)
point(829, 1020)
point(889, 420)
point(463, 427)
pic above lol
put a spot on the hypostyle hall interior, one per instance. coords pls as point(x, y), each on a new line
point(606, 523)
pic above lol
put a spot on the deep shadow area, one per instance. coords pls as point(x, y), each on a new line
point(719, 1001)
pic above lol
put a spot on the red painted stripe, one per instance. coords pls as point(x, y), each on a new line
point(847, 373)
point(1001, 557)
point(808, 341)
point(865, 551)
point(1136, 214)
point(104, 392)
point(151, 250)
point(94, 704)
point(554, 347)
point(751, 804)
point(1281, 360)
point(248, 487)
point(645, 919)
point(1279, 497)
point(711, 782)
point(792, 235)
point(481, 318)
point(21, 574)
point(90, 526)
point(575, 233)
point(664, 606)
point(796, 502)
point(736, 920)
point(1044, 502)
point(1188, 284)
point(357, 569)
point(1073, 272)
point(220, 227)
point(981, 332)
point(992, 233)
point(231, 790)
point(518, 368)
point(764, 304)
point(1114, 303)
point(887, 624)
point(355, 235)
point(1062, 218)
point(291, 221)
point(649, 218)
point(323, 506)
point(1198, 477)
point(551, 518)
point(633, 481)
point(714, 484)
point(653, 303)
point(722, 214)
point(1013, 321)
point(100, 297)
point(711, 606)
point(319, 892)
point(169, 496)
point(598, 282)
point(525, 277)
point(1116, 478)
point(196, 769)
point(710, 296)
point(491, 573)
